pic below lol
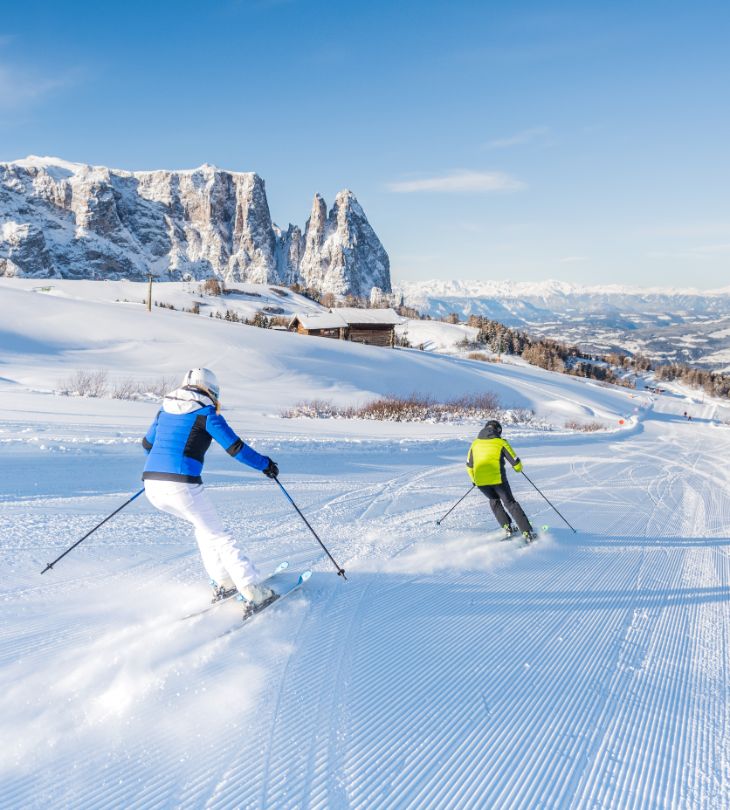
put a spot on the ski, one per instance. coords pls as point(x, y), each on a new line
point(303, 577)
point(233, 593)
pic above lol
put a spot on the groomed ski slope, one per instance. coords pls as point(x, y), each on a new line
point(451, 670)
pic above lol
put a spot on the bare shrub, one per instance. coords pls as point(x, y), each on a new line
point(314, 409)
point(414, 408)
point(96, 384)
point(128, 388)
point(485, 358)
point(211, 286)
point(85, 384)
point(161, 386)
point(585, 427)
point(485, 402)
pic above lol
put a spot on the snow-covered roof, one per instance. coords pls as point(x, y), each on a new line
point(319, 320)
point(353, 315)
point(347, 316)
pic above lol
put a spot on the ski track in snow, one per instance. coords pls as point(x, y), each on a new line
point(451, 670)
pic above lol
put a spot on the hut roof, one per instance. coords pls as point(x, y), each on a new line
point(319, 320)
point(353, 315)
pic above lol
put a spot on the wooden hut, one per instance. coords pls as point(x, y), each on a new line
point(375, 327)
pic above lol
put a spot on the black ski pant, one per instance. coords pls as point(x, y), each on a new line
point(501, 498)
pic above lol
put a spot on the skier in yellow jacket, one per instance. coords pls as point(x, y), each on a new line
point(486, 467)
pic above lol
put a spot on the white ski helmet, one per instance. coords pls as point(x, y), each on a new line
point(204, 380)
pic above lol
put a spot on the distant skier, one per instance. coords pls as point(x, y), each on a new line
point(176, 444)
point(485, 465)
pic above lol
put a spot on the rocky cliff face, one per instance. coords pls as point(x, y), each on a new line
point(75, 221)
point(341, 251)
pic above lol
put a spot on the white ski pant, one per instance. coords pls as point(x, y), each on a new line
point(224, 561)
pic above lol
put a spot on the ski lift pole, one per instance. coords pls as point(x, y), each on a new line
point(98, 525)
point(575, 531)
point(340, 571)
point(438, 522)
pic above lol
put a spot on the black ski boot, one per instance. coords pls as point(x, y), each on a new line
point(510, 530)
point(529, 536)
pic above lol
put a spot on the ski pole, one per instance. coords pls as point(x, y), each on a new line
point(438, 522)
point(556, 511)
point(340, 571)
point(126, 503)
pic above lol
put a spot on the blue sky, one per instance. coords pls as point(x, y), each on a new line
point(580, 141)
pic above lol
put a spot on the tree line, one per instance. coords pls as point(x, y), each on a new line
point(554, 355)
point(714, 383)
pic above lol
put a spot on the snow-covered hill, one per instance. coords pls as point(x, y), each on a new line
point(451, 670)
point(72, 220)
point(52, 330)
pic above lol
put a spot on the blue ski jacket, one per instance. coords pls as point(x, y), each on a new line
point(182, 432)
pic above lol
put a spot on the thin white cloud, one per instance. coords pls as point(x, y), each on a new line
point(573, 259)
point(20, 87)
point(459, 181)
point(519, 138)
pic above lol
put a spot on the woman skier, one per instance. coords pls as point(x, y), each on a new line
point(485, 465)
point(176, 444)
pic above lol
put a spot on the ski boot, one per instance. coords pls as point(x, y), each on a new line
point(510, 530)
point(221, 591)
point(257, 598)
point(528, 537)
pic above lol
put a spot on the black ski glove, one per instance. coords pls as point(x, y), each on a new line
point(271, 471)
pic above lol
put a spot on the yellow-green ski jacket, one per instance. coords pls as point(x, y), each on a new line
point(485, 462)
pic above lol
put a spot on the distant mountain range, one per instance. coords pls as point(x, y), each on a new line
point(72, 220)
point(683, 325)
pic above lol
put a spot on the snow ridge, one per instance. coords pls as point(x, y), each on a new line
point(72, 220)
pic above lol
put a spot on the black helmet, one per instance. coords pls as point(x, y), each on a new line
point(493, 427)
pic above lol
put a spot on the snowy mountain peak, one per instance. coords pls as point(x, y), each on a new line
point(75, 220)
point(342, 254)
